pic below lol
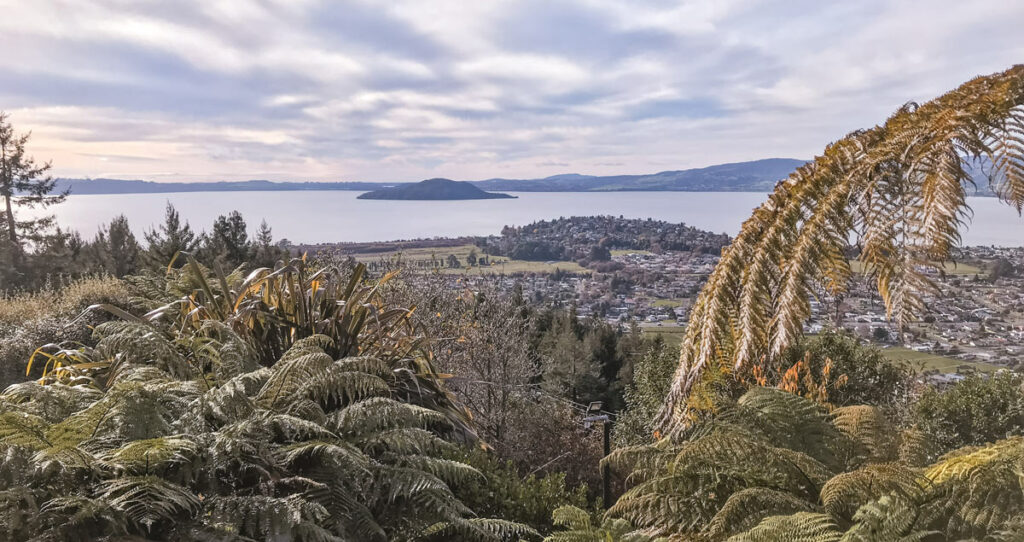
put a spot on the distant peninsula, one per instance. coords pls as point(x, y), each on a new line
point(433, 189)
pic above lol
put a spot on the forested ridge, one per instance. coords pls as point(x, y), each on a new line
point(208, 387)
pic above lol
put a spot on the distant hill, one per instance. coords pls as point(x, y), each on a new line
point(433, 189)
point(754, 176)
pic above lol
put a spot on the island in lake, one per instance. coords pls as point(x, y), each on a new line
point(433, 189)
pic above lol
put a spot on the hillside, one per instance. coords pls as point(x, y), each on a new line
point(433, 189)
point(754, 176)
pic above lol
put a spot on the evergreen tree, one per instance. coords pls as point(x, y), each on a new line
point(23, 184)
point(228, 245)
point(171, 238)
point(115, 248)
point(265, 253)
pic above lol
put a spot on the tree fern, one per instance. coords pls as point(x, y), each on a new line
point(897, 188)
point(177, 425)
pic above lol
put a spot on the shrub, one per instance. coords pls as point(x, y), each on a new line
point(30, 320)
point(978, 410)
point(509, 495)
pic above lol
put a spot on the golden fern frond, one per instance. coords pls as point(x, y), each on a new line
point(799, 527)
point(978, 489)
point(899, 187)
point(868, 427)
point(745, 509)
point(847, 492)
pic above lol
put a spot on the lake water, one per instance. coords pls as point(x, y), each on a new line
point(336, 216)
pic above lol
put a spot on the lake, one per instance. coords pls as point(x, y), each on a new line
point(336, 216)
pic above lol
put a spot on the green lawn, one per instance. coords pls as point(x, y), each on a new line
point(624, 252)
point(951, 268)
point(497, 264)
point(937, 362)
point(518, 266)
point(673, 302)
point(673, 335)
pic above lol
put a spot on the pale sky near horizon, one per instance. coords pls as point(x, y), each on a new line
point(409, 89)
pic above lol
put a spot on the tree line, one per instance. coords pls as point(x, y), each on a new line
point(36, 250)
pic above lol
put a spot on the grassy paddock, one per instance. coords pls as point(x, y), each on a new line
point(951, 268)
point(673, 335)
point(937, 362)
point(497, 264)
point(622, 252)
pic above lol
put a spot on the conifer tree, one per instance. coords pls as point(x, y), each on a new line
point(171, 238)
point(265, 253)
point(23, 184)
point(115, 248)
point(228, 245)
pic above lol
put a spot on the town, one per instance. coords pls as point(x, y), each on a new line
point(648, 273)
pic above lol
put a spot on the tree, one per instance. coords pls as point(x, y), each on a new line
point(600, 253)
point(23, 184)
point(979, 410)
point(652, 375)
point(453, 261)
point(115, 249)
point(471, 258)
point(898, 187)
point(171, 238)
point(265, 252)
point(228, 243)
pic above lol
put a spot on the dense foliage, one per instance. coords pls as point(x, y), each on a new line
point(287, 405)
point(978, 410)
point(576, 238)
point(776, 466)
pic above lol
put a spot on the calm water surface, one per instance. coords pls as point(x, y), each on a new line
point(335, 216)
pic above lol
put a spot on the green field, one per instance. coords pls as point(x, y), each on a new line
point(939, 363)
point(673, 334)
point(673, 302)
point(497, 264)
point(951, 268)
point(624, 252)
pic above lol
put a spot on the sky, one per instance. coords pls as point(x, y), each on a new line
point(402, 90)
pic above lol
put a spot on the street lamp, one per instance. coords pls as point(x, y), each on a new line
point(594, 414)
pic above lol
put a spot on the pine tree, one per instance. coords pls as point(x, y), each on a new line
point(23, 184)
point(265, 253)
point(228, 245)
point(171, 238)
point(115, 248)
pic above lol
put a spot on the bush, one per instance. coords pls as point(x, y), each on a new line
point(652, 377)
point(871, 378)
point(30, 320)
point(508, 495)
point(978, 410)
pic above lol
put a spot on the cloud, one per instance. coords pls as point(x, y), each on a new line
point(410, 89)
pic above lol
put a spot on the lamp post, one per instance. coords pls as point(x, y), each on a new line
point(594, 414)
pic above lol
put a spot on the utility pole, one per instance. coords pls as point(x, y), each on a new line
point(594, 414)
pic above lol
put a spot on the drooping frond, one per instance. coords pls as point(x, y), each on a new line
point(799, 527)
point(847, 492)
point(898, 189)
point(746, 508)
